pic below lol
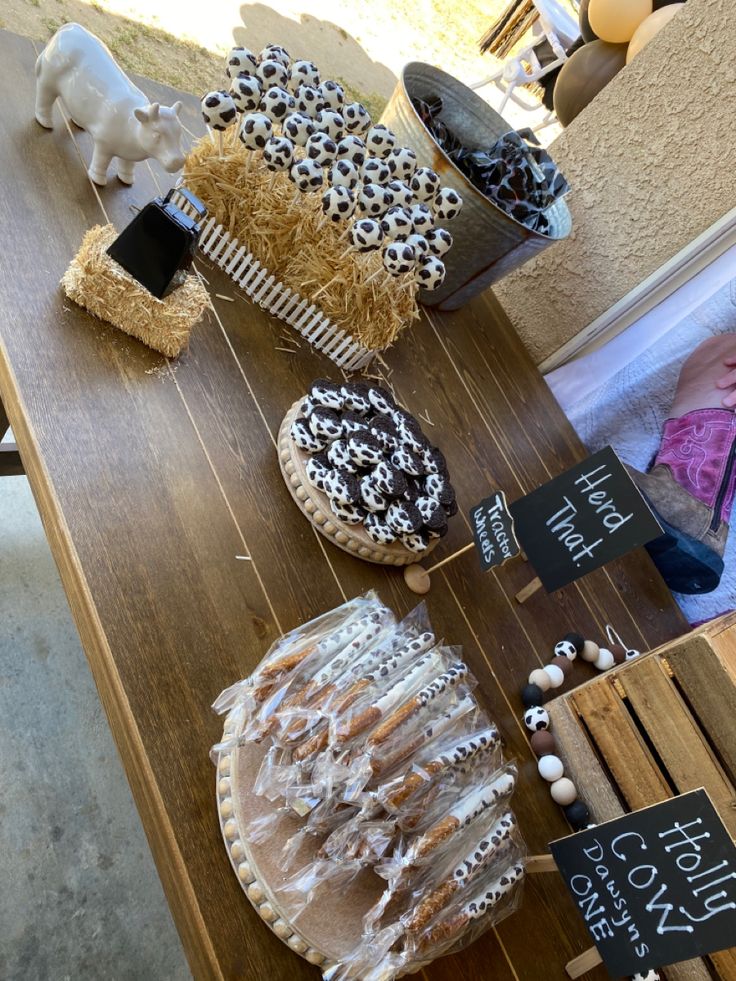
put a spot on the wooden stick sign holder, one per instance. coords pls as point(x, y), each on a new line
point(589, 958)
point(417, 578)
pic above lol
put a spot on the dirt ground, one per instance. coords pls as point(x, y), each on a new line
point(363, 45)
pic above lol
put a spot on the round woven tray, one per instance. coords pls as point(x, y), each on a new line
point(327, 929)
point(316, 506)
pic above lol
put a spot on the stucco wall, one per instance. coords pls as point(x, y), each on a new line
point(652, 164)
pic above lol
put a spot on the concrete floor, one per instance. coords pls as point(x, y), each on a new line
point(80, 898)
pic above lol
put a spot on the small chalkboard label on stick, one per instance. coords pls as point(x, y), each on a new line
point(589, 515)
point(656, 886)
point(493, 529)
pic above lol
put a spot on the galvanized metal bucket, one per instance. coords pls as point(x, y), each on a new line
point(488, 243)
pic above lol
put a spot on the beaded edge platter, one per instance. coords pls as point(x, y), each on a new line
point(331, 926)
point(316, 506)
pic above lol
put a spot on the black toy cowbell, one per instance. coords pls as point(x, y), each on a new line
point(158, 245)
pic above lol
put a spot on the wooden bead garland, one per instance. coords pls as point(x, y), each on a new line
point(536, 719)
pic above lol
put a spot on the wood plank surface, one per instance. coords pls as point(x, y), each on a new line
point(152, 478)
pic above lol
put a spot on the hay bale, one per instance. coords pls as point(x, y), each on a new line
point(97, 283)
point(285, 232)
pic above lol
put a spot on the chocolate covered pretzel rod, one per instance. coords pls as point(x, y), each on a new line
point(454, 675)
point(463, 874)
point(462, 752)
point(467, 809)
point(454, 926)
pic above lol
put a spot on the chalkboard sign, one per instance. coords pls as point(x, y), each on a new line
point(656, 886)
point(587, 516)
point(493, 528)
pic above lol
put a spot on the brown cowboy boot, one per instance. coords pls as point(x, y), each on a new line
point(690, 488)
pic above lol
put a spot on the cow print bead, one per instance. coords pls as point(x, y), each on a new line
point(371, 498)
point(380, 140)
point(333, 95)
point(351, 514)
point(403, 517)
point(388, 479)
point(356, 398)
point(536, 719)
point(304, 438)
point(278, 153)
point(327, 393)
point(307, 101)
point(298, 128)
point(378, 529)
point(408, 461)
point(330, 122)
point(365, 449)
point(385, 432)
point(398, 258)
point(241, 61)
point(375, 171)
point(277, 103)
point(272, 72)
point(342, 487)
point(256, 130)
point(218, 110)
point(303, 73)
point(416, 542)
point(306, 175)
point(447, 204)
point(340, 456)
point(344, 173)
point(246, 93)
point(356, 118)
point(326, 423)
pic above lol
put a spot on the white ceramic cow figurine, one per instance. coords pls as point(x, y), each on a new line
point(76, 67)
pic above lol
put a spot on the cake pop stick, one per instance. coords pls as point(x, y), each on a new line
point(219, 113)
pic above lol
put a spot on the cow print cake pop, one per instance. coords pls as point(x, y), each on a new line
point(419, 244)
point(303, 73)
point(308, 100)
point(333, 95)
point(396, 224)
point(330, 122)
point(430, 272)
point(278, 153)
point(277, 103)
point(344, 174)
point(447, 204)
point(400, 193)
point(241, 61)
point(218, 110)
point(375, 171)
point(398, 258)
point(366, 235)
point(298, 128)
point(246, 93)
point(306, 175)
point(380, 140)
point(440, 241)
point(321, 148)
point(256, 130)
point(421, 218)
point(373, 200)
point(275, 52)
point(402, 162)
point(356, 118)
point(338, 203)
point(272, 72)
point(351, 148)
point(425, 184)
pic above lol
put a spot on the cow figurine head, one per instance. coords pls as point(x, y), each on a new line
point(160, 134)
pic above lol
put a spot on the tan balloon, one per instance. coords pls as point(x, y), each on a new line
point(649, 27)
point(616, 20)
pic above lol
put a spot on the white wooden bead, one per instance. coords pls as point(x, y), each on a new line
point(550, 768)
point(605, 660)
point(563, 792)
point(226, 807)
point(224, 786)
point(224, 766)
point(555, 675)
point(231, 829)
point(540, 678)
point(590, 651)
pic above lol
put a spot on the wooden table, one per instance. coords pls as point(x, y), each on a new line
point(152, 479)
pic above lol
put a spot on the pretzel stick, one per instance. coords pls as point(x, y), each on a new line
point(463, 873)
point(321, 739)
point(442, 683)
point(286, 663)
point(453, 926)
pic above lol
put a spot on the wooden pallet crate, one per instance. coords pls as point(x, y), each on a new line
point(656, 727)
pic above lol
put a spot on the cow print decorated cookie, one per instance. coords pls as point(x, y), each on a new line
point(378, 529)
point(388, 479)
point(416, 542)
point(304, 438)
point(352, 423)
point(385, 432)
point(317, 467)
point(381, 400)
point(433, 460)
point(408, 461)
point(365, 449)
point(327, 393)
point(340, 456)
point(351, 514)
point(433, 514)
point(403, 517)
point(325, 423)
point(356, 398)
point(342, 487)
point(370, 496)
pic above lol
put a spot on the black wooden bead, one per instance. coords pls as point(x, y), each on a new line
point(531, 696)
point(577, 814)
point(576, 640)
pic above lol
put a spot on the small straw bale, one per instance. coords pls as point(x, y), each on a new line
point(97, 283)
point(285, 231)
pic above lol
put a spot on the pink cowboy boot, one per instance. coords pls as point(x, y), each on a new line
point(690, 488)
